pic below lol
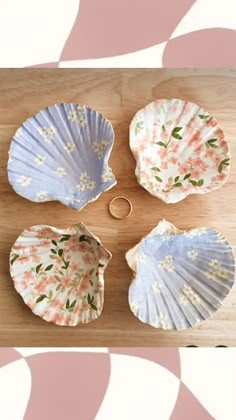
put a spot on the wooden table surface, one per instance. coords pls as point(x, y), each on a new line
point(118, 94)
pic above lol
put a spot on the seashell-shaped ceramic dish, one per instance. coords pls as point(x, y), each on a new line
point(179, 149)
point(62, 154)
point(180, 278)
point(59, 273)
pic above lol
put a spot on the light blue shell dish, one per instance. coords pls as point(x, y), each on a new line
point(62, 154)
point(180, 278)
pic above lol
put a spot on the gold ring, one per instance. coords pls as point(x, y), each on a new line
point(120, 197)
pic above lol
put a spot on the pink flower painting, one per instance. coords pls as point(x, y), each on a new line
point(179, 149)
point(64, 277)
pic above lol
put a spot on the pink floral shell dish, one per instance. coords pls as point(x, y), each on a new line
point(59, 273)
point(179, 149)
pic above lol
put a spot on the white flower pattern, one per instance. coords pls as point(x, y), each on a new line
point(40, 159)
point(214, 264)
point(142, 258)
point(24, 181)
point(216, 270)
point(167, 264)
point(69, 147)
point(41, 195)
point(108, 176)
point(47, 133)
point(60, 172)
point(164, 321)
point(72, 116)
point(223, 273)
point(156, 287)
point(91, 185)
point(84, 177)
point(100, 148)
point(82, 121)
point(191, 295)
point(211, 275)
point(73, 200)
point(81, 187)
point(192, 254)
point(183, 300)
point(80, 109)
point(86, 183)
point(78, 115)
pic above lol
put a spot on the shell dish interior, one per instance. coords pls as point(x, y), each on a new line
point(62, 154)
point(180, 278)
point(179, 149)
point(60, 273)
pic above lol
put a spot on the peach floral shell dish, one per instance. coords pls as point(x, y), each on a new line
point(59, 273)
point(180, 278)
point(61, 154)
point(179, 150)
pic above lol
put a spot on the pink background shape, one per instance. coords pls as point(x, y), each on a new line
point(8, 355)
point(205, 48)
point(106, 28)
point(188, 407)
point(74, 384)
point(67, 385)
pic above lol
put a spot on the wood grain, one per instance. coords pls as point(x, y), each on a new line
point(118, 94)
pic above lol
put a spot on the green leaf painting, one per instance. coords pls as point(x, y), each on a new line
point(41, 298)
point(60, 252)
point(175, 133)
point(177, 136)
point(70, 305)
point(203, 117)
point(65, 238)
point(193, 182)
point(162, 144)
point(177, 185)
point(14, 258)
point(138, 127)
point(177, 129)
point(176, 182)
point(187, 176)
point(224, 162)
point(38, 267)
point(211, 143)
point(91, 302)
point(200, 182)
point(84, 238)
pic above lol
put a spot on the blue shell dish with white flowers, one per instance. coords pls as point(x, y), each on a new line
point(180, 278)
point(62, 154)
